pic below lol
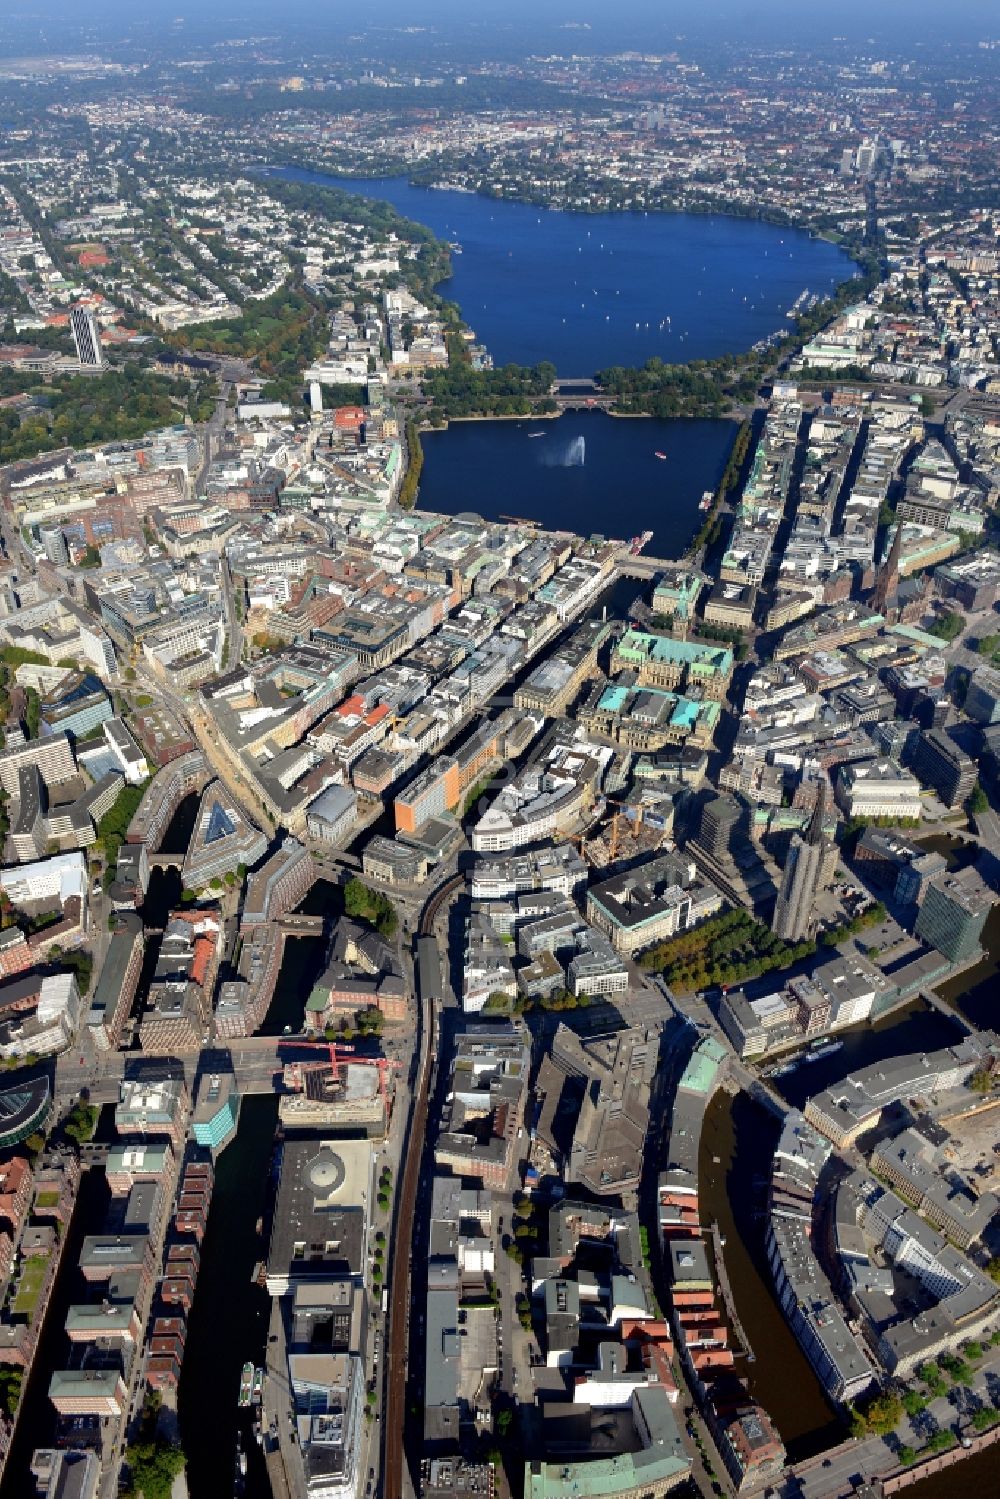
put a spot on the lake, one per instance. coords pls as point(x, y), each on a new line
point(591, 290)
point(588, 472)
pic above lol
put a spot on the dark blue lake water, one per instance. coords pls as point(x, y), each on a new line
point(588, 472)
point(590, 290)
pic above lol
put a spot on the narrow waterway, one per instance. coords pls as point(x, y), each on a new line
point(737, 1144)
point(228, 1321)
point(302, 962)
point(918, 1027)
point(36, 1423)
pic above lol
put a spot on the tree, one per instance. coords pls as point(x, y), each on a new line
point(370, 906)
point(948, 626)
point(884, 1413)
point(153, 1466)
point(978, 800)
point(81, 1122)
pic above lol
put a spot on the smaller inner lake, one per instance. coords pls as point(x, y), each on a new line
point(585, 472)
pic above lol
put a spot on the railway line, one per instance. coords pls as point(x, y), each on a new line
point(394, 1409)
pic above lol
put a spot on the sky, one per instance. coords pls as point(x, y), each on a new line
point(531, 23)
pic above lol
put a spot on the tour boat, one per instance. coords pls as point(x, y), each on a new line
point(660, 455)
point(246, 1385)
point(536, 434)
point(258, 1385)
point(705, 503)
point(826, 1049)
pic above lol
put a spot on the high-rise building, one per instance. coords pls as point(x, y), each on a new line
point(86, 337)
point(982, 701)
point(954, 913)
point(719, 816)
point(794, 910)
point(53, 544)
point(940, 764)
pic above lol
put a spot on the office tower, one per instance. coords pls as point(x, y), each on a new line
point(982, 701)
point(940, 764)
point(794, 910)
point(53, 544)
point(719, 816)
point(86, 337)
point(954, 913)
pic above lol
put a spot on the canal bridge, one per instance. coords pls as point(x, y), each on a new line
point(297, 925)
point(637, 565)
point(165, 861)
point(257, 1062)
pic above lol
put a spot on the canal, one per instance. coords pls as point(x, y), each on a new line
point(737, 1143)
point(228, 1322)
point(36, 1425)
point(302, 962)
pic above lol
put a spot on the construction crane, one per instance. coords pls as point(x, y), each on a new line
point(339, 1054)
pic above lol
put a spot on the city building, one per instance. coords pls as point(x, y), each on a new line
point(795, 912)
point(650, 903)
point(223, 839)
point(86, 337)
point(321, 1214)
point(954, 912)
point(939, 763)
point(111, 1002)
point(216, 1109)
point(878, 788)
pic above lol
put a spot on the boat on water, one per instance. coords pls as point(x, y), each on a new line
point(258, 1385)
point(785, 1070)
point(661, 456)
point(638, 542)
point(825, 1049)
point(705, 503)
point(537, 434)
point(246, 1384)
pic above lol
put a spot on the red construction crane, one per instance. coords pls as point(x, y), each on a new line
point(339, 1053)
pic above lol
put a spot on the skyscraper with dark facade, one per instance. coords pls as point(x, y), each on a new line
point(794, 910)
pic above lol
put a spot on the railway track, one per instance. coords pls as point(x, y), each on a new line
point(394, 1412)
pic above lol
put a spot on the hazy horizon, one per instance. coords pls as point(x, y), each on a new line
point(570, 25)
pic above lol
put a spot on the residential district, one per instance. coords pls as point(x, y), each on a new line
point(591, 850)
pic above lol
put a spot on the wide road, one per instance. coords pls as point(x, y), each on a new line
point(394, 1412)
